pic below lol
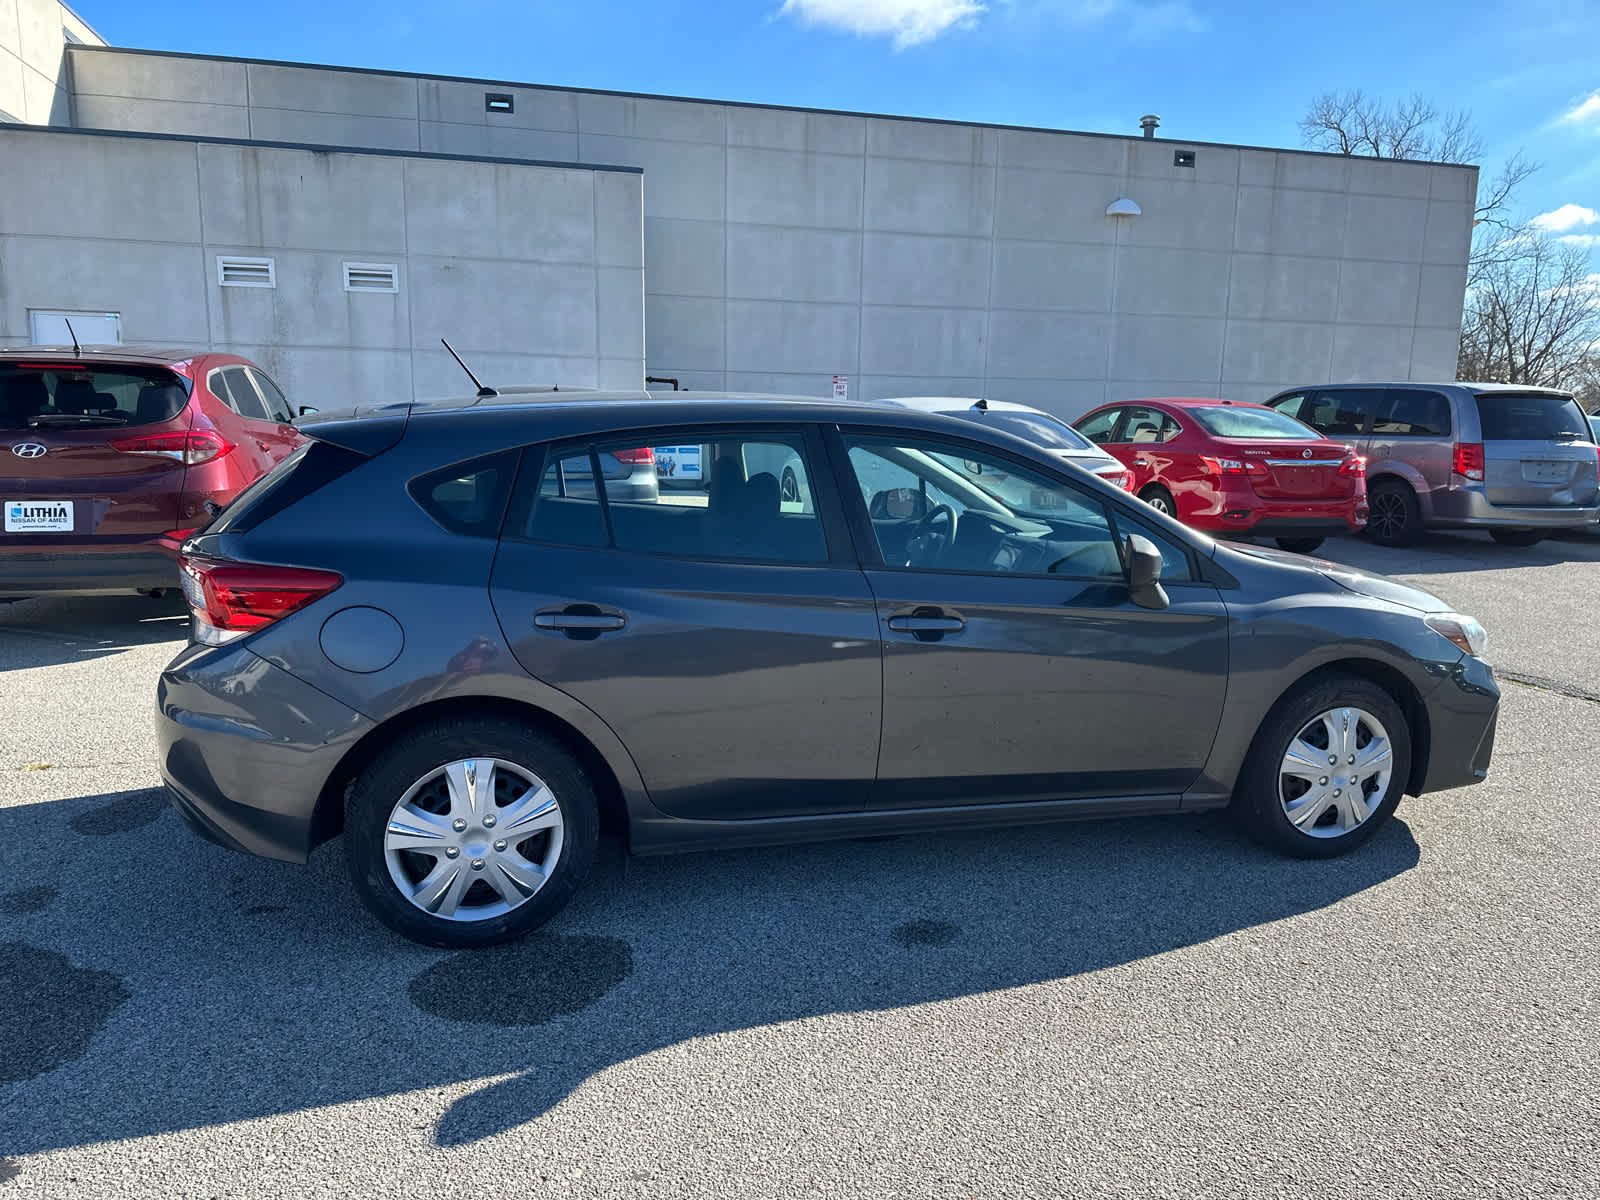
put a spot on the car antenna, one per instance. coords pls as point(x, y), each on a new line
point(982, 405)
point(483, 391)
point(77, 350)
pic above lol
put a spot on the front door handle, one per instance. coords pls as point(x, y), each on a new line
point(928, 623)
point(579, 620)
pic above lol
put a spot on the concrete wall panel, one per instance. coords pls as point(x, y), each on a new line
point(1282, 287)
point(1051, 275)
point(1046, 151)
point(309, 306)
point(147, 77)
point(785, 187)
point(1264, 352)
point(688, 258)
point(1386, 227)
point(792, 338)
point(686, 332)
point(1174, 282)
point(1038, 345)
point(12, 101)
point(1182, 213)
point(334, 93)
point(490, 211)
point(905, 269)
point(618, 219)
point(932, 342)
point(489, 306)
point(1448, 237)
point(1054, 206)
point(620, 317)
point(90, 275)
point(1167, 348)
point(1434, 352)
point(967, 145)
point(652, 119)
point(1442, 292)
point(163, 116)
point(766, 263)
point(1368, 351)
point(810, 133)
point(152, 197)
point(1285, 221)
point(903, 196)
point(437, 137)
point(333, 129)
point(1148, 159)
point(1378, 293)
point(682, 179)
point(463, 103)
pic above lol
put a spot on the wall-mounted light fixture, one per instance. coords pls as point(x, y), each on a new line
point(1122, 208)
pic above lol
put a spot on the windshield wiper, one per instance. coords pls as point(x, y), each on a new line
point(46, 420)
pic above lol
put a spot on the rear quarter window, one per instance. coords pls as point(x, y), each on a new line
point(468, 498)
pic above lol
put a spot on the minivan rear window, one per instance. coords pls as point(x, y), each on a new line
point(1529, 417)
point(73, 395)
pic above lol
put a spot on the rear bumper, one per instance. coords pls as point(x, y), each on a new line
point(249, 778)
point(1463, 712)
point(81, 570)
point(1468, 508)
point(1248, 513)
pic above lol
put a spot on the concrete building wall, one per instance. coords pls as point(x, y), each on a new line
point(534, 273)
point(34, 35)
point(783, 246)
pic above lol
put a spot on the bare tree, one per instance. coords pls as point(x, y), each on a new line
point(1532, 316)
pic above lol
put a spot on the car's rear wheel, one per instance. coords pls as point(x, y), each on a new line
point(1517, 537)
point(470, 831)
point(1394, 518)
point(1327, 768)
point(1299, 545)
point(1158, 498)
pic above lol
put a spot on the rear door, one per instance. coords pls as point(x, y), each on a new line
point(283, 436)
point(253, 432)
point(84, 463)
point(1413, 426)
point(1536, 450)
point(727, 636)
point(1143, 438)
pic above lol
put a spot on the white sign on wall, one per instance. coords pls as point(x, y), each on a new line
point(841, 387)
point(48, 327)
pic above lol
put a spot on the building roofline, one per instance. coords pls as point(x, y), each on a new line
point(18, 127)
point(791, 108)
point(104, 45)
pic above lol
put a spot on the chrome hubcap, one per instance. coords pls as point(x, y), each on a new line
point(1335, 772)
point(1159, 503)
point(473, 839)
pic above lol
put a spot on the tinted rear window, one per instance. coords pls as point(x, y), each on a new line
point(73, 395)
point(469, 497)
point(1038, 428)
point(1251, 423)
point(1509, 417)
point(1409, 413)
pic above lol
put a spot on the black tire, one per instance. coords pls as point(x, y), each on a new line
point(1257, 801)
point(1299, 545)
point(411, 758)
point(1518, 537)
point(1158, 498)
point(1394, 516)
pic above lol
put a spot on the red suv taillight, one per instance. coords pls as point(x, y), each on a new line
point(231, 599)
point(191, 449)
point(1467, 461)
point(634, 457)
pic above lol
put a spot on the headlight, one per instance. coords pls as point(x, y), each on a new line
point(1462, 630)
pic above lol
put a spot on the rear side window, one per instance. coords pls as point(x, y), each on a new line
point(245, 400)
point(1147, 425)
point(756, 506)
point(1406, 413)
point(73, 395)
point(1341, 413)
point(312, 466)
point(1513, 417)
point(1099, 428)
point(277, 402)
point(468, 498)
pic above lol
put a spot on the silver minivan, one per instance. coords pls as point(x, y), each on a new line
point(1517, 461)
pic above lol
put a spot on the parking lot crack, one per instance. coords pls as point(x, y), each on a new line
point(1545, 684)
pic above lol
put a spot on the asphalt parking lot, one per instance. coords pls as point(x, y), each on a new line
point(1130, 1008)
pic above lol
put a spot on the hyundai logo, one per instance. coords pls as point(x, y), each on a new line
point(1306, 453)
point(28, 450)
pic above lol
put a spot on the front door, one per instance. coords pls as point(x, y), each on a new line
point(726, 636)
point(1015, 665)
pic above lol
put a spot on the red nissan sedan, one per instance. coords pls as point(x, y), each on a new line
point(111, 456)
point(1235, 469)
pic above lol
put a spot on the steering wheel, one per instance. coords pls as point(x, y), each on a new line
point(922, 536)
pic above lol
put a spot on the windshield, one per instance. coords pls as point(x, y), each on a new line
point(1039, 428)
point(1530, 417)
point(1258, 424)
point(71, 395)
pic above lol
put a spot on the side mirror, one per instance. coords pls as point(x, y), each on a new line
point(1144, 573)
point(306, 410)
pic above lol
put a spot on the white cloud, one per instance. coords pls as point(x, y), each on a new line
point(1568, 216)
point(1587, 240)
point(908, 22)
point(1584, 113)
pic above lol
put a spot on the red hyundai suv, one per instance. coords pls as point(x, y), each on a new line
point(111, 456)
point(1236, 469)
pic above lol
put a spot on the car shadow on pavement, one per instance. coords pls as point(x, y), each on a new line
point(47, 631)
point(167, 984)
point(1448, 552)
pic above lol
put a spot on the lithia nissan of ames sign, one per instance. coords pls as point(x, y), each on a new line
point(38, 516)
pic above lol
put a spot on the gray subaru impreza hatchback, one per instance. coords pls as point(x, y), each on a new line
point(437, 630)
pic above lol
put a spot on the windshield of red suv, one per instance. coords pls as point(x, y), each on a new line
point(1260, 424)
point(69, 395)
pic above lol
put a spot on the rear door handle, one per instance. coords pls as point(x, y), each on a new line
point(579, 619)
point(926, 624)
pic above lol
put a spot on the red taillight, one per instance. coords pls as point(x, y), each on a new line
point(239, 598)
point(178, 535)
point(1121, 479)
point(634, 457)
point(1467, 461)
point(191, 449)
point(1356, 464)
point(1231, 466)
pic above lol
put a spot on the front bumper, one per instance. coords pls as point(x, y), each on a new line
point(246, 749)
point(1468, 508)
point(1462, 714)
point(82, 571)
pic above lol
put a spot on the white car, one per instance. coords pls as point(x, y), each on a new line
point(1043, 429)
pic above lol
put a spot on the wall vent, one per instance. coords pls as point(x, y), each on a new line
point(371, 277)
point(499, 102)
point(233, 271)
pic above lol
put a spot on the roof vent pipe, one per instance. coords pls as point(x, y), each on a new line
point(1149, 123)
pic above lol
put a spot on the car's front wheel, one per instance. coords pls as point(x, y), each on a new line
point(470, 831)
point(1327, 768)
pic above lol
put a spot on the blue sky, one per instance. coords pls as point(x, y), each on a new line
point(1237, 71)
